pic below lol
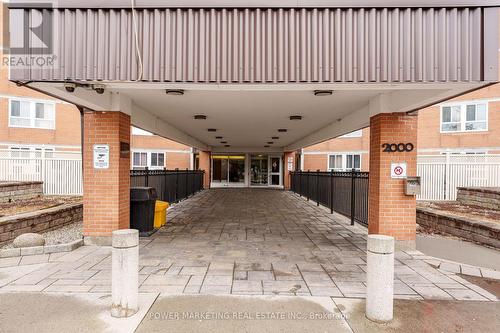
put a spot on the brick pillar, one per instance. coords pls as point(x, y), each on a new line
point(391, 212)
point(286, 172)
point(106, 192)
point(204, 157)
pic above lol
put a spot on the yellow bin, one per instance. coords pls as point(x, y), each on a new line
point(160, 213)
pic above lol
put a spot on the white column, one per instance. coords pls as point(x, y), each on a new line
point(380, 278)
point(125, 273)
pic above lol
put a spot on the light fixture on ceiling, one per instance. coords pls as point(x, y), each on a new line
point(282, 130)
point(200, 117)
point(275, 137)
point(218, 137)
point(227, 145)
point(212, 130)
point(323, 92)
point(270, 142)
point(223, 142)
point(175, 92)
point(295, 117)
point(266, 146)
point(70, 86)
point(99, 88)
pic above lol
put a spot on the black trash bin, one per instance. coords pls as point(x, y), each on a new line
point(142, 209)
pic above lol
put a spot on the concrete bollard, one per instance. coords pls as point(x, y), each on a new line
point(380, 278)
point(125, 273)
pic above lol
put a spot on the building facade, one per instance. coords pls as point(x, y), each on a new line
point(226, 77)
point(468, 124)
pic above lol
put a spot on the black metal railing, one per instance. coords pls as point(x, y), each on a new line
point(343, 192)
point(170, 185)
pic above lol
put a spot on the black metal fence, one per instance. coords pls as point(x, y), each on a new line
point(343, 192)
point(170, 185)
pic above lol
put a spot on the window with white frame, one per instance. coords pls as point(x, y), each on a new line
point(465, 117)
point(153, 160)
point(20, 152)
point(354, 134)
point(31, 152)
point(140, 160)
point(157, 160)
point(335, 162)
point(31, 114)
point(343, 162)
point(353, 161)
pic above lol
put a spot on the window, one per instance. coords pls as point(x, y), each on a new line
point(153, 160)
point(20, 152)
point(335, 162)
point(31, 114)
point(140, 160)
point(464, 117)
point(31, 152)
point(353, 161)
point(344, 162)
point(157, 160)
point(355, 134)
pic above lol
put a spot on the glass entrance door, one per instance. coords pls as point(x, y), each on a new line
point(228, 170)
point(275, 167)
point(258, 170)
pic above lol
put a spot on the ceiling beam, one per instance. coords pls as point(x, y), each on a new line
point(351, 122)
point(151, 123)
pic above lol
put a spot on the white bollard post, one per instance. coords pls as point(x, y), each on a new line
point(125, 273)
point(380, 278)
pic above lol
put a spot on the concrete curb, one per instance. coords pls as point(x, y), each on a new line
point(46, 249)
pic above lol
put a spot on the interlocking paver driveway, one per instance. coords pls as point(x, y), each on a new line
point(248, 242)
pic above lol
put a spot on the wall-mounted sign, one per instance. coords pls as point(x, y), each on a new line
point(101, 156)
point(398, 170)
point(397, 147)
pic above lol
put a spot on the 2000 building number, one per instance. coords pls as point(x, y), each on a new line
point(397, 147)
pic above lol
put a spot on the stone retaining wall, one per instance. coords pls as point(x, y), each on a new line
point(485, 197)
point(483, 232)
point(39, 221)
point(20, 190)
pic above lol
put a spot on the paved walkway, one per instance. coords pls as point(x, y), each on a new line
point(247, 242)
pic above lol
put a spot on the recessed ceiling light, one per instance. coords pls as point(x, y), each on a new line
point(227, 145)
point(270, 142)
point(282, 130)
point(218, 137)
point(323, 92)
point(295, 117)
point(223, 142)
point(266, 146)
point(212, 130)
point(200, 117)
point(275, 137)
point(174, 92)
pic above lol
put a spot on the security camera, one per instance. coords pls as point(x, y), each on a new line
point(70, 87)
point(99, 88)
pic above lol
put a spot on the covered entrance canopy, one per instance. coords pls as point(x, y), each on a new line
point(245, 69)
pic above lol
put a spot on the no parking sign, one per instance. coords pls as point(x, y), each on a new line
point(398, 170)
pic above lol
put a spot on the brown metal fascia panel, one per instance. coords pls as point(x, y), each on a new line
point(272, 45)
point(161, 4)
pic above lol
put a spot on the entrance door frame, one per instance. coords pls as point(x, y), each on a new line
point(279, 173)
point(248, 182)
